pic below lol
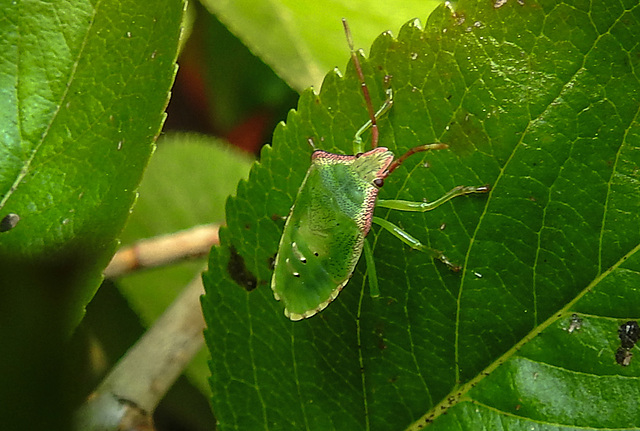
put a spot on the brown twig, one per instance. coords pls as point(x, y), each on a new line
point(163, 250)
point(146, 372)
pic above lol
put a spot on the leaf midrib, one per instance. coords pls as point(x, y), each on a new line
point(24, 171)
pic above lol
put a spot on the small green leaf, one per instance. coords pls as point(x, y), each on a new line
point(539, 100)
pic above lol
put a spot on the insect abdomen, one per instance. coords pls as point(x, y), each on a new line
point(324, 234)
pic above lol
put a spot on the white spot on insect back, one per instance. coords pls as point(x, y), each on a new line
point(298, 253)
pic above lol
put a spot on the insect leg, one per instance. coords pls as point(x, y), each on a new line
point(371, 270)
point(358, 145)
point(427, 206)
point(414, 242)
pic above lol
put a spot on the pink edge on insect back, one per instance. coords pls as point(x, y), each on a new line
point(371, 166)
point(367, 167)
point(331, 157)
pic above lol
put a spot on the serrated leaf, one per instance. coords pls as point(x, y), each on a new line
point(539, 100)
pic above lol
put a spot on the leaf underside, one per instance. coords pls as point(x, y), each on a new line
point(539, 100)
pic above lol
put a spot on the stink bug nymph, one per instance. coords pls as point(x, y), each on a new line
point(324, 234)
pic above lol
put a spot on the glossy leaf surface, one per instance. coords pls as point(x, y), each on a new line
point(539, 100)
point(83, 87)
point(83, 100)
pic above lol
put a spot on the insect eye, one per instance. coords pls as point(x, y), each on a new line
point(378, 182)
point(358, 155)
point(315, 253)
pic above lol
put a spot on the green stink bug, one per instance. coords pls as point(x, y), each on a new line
point(324, 234)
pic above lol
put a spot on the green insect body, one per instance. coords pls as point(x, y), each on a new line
point(324, 235)
point(325, 231)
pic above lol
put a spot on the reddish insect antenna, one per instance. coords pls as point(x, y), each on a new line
point(363, 85)
point(397, 162)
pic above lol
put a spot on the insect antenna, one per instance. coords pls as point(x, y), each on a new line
point(420, 148)
point(363, 85)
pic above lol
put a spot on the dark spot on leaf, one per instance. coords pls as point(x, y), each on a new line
point(271, 262)
point(238, 271)
point(9, 221)
point(629, 334)
point(247, 226)
point(623, 356)
point(576, 323)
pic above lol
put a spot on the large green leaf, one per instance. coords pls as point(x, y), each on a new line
point(84, 85)
point(538, 99)
point(285, 33)
point(83, 99)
